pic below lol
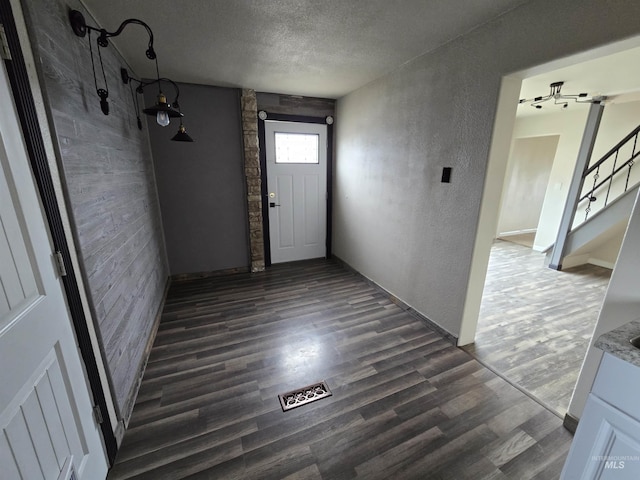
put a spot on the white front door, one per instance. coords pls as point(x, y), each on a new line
point(46, 418)
point(297, 189)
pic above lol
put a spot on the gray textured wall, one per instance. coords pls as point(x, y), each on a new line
point(201, 184)
point(393, 219)
point(108, 176)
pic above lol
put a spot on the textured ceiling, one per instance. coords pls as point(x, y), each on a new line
point(322, 48)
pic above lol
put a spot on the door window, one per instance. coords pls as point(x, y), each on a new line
point(296, 147)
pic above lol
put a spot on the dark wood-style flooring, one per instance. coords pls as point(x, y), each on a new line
point(406, 403)
point(535, 323)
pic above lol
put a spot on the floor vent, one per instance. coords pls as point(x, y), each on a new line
point(304, 395)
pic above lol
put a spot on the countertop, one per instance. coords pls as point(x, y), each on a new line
point(616, 342)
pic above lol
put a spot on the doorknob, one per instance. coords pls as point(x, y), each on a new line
point(273, 204)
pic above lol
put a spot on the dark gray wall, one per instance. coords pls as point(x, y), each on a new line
point(201, 184)
point(107, 173)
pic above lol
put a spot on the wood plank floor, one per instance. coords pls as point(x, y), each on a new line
point(406, 404)
point(535, 323)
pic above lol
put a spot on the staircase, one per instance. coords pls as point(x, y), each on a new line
point(609, 190)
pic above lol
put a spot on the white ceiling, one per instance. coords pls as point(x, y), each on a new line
point(615, 76)
point(321, 48)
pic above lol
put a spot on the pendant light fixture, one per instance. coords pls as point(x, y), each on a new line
point(163, 111)
point(559, 98)
point(182, 135)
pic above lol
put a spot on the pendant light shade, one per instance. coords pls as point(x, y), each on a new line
point(182, 135)
point(162, 111)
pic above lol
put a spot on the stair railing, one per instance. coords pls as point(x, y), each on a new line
point(618, 166)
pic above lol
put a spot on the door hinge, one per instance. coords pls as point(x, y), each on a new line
point(62, 270)
point(97, 414)
point(5, 53)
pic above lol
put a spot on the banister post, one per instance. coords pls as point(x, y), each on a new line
point(582, 164)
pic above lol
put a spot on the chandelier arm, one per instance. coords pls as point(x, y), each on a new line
point(80, 28)
point(142, 85)
point(104, 34)
point(538, 100)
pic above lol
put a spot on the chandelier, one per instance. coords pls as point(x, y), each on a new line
point(559, 98)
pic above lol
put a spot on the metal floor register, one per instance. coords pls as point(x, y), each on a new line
point(304, 395)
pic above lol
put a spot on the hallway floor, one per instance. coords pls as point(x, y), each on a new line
point(535, 323)
point(406, 403)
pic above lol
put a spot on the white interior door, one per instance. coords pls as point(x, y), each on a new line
point(297, 189)
point(45, 408)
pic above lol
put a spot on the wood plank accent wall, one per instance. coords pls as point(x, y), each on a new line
point(296, 105)
point(108, 176)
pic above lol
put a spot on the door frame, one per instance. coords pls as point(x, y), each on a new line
point(27, 113)
point(263, 174)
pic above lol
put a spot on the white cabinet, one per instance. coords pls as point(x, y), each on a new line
point(607, 442)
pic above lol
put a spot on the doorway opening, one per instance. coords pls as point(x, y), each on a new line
point(296, 169)
point(531, 329)
point(535, 323)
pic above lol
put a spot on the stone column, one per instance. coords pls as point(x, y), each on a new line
point(253, 177)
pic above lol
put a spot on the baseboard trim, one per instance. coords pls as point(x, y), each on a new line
point(133, 394)
point(513, 233)
point(601, 263)
point(403, 305)
point(570, 423)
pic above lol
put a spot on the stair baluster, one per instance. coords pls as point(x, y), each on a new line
point(614, 153)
